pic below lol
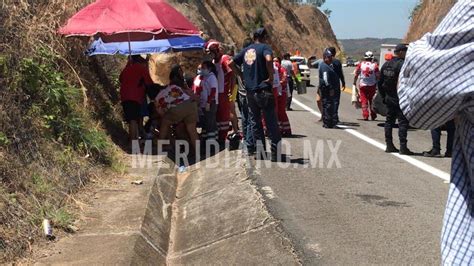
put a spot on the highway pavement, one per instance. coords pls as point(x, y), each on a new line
point(343, 200)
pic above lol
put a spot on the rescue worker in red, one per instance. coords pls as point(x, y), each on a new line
point(369, 74)
point(226, 81)
point(283, 121)
point(133, 81)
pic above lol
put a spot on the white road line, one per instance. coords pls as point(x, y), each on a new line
point(421, 165)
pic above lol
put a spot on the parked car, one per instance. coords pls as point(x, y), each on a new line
point(350, 62)
point(311, 61)
point(305, 72)
point(315, 63)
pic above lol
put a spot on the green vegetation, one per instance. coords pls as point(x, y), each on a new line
point(256, 22)
point(315, 3)
point(58, 103)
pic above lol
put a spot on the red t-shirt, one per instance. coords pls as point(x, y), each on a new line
point(229, 81)
point(133, 79)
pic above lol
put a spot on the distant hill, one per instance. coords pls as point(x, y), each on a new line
point(356, 48)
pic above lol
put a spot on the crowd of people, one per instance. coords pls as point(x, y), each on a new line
point(368, 81)
point(203, 107)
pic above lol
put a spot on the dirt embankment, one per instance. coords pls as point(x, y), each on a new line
point(291, 27)
point(427, 17)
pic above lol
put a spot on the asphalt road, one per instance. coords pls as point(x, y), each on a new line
point(375, 208)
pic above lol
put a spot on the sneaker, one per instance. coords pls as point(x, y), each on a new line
point(391, 148)
point(432, 153)
point(448, 154)
point(406, 151)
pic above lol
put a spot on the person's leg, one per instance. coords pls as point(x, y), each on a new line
point(244, 114)
point(436, 148)
point(290, 96)
point(388, 127)
point(223, 116)
point(193, 136)
point(273, 129)
point(212, 134)
point(336, 101)
point(403, 125)
point(255, 127)
point(327, 115)
point(164, 128)
point(133, 130)
point(234, 118)
point(364, 102)
point(451, 130)
point(319, 103)
point(370, 98)
point(275, 100)
point(283, 120)
point(436, 138)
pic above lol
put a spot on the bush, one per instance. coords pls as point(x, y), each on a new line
point(58, 104)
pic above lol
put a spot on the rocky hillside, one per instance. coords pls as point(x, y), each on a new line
point(291, 27)
point(427, 17)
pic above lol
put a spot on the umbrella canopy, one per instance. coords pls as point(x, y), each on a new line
point(124, 20)
point(179, 44)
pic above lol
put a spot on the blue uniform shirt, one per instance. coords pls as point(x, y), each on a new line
point(328, 78)
point(253, 62)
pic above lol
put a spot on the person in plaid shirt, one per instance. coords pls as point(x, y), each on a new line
point(437, 85)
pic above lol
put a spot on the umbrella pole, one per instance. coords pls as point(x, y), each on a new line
point(129, 46)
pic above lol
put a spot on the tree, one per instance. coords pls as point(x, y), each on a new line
point(327, 12)
point(315, 3)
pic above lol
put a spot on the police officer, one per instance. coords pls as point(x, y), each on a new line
point(388, 90)
point(329, 89)
point(257, 64)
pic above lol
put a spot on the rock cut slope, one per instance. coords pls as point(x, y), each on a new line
point(291, 27)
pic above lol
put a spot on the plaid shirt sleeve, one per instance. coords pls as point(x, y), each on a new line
point(436, 85)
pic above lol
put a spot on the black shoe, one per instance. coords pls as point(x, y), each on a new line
point(406, 151)
point(289, 109)
point(448, 154)
point(391, 148)
point(432, 153)
point(278, 158)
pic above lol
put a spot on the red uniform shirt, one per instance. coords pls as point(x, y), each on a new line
point(133, 79)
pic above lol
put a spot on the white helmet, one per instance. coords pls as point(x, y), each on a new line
point(369, 55)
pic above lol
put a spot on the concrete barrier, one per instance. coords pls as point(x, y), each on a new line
point(127, 224)
point(200, 216)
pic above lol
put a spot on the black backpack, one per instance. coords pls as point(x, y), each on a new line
point(390, 72)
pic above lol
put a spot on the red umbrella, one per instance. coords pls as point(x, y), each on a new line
point(129, 20)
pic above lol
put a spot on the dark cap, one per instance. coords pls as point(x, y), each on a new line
point(327, 53)
point(333, 50)
point(260, 33)
point(401, 47)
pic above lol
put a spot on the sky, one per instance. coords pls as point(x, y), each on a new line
point(354, 19)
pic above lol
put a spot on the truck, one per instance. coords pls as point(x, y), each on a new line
point(386, 49)
point(304, 70)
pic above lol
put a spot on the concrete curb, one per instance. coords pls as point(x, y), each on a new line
point(200, 216)
point(127, 224)
point(220, 218)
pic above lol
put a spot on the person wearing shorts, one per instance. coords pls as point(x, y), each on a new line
point(133, 80)
point(175, 106)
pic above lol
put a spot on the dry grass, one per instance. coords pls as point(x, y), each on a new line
point(427, 18)
point(41, 167)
